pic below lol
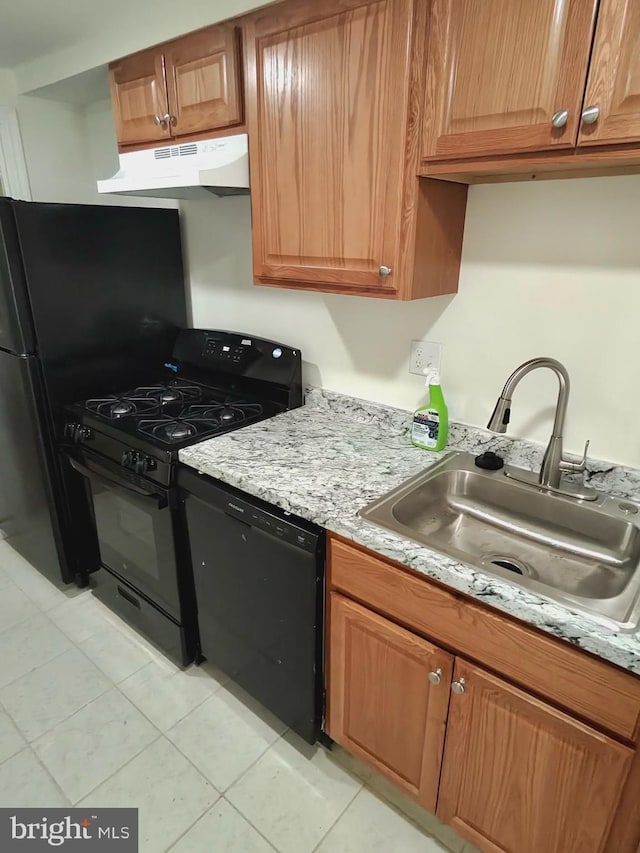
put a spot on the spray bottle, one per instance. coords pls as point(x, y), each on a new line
point(430, 426)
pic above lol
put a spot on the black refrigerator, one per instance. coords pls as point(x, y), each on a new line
point(90, 297)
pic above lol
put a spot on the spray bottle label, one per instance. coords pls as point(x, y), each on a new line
point(426, 427)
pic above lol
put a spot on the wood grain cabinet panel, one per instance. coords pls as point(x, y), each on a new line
point(382, 706)
point(520, 777)
point(587, 686)
point(498, 71)
point(328, 142)
point(614, 76)
point(139, 97)
point(203, 80)
point(334, 100)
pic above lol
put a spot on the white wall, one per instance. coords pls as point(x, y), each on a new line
point(8, 86)
point(55, 147)
point(124, 29)
point(549, 268)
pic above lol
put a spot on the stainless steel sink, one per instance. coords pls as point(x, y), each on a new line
point(582, 554)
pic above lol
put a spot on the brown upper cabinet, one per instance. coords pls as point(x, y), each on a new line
point(333, 129)
point(139, 98)
point(188, 86)
point(505, 75)
point(612, 98)
point(535, 87)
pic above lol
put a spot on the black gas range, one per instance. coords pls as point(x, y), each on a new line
point(125, 447)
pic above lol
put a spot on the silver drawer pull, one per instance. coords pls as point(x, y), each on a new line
point(435, 677)
point(560, 118)
point(590, 115)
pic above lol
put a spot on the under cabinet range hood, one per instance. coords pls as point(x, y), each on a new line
point(185, 170)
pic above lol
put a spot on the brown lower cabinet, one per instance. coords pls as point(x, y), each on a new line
point(520, 776)
point(507, 770)
point(384, 708)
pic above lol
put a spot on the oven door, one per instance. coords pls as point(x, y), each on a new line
point(134, 526)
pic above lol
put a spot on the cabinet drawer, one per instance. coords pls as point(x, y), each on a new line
point(589, 687)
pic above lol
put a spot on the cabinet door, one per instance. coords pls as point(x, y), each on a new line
point(382, 706)
point(327, 141)
point(498, 71)
point(139, 98)
point(614, 76)
point(203, 80)
point(520, 777)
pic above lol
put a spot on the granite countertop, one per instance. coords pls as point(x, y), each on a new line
point(336, 454)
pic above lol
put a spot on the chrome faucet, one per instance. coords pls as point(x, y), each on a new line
point(553, 462)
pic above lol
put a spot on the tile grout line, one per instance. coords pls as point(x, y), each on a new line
point(109, 687)
point(344, 810)
point(248, 819)
point(22, 621)
point(366, 785)
point(49, 774)
point(399, 811)
point(140, 711)
point(74, 803)
point(29, 671)
point(221, 793)
point(245, 818)
point(253, 763)
point(197, 820)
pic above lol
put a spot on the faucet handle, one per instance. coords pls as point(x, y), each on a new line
point(575, 467)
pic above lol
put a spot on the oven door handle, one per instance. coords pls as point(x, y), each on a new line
point(107, 480)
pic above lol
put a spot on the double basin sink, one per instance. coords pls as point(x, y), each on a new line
point(583, 554)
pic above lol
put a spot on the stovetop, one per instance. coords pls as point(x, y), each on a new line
point(176, 412)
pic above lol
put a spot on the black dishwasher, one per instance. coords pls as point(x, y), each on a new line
point(259, 578)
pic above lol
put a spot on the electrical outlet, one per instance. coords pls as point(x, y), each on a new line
point(424, 354)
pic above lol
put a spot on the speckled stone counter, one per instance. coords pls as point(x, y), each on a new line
point(334, 455)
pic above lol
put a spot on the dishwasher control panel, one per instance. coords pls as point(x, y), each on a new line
point(279, 528)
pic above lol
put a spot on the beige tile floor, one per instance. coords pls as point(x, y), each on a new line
point(92, 714)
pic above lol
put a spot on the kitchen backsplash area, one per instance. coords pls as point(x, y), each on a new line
point(548, 268)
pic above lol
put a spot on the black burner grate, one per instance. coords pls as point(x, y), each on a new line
point(199, 420)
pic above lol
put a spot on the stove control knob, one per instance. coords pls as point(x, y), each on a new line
point(70, 431)
point(128, 458)
point(141, 464)
point(138, 462)
point(77, 433)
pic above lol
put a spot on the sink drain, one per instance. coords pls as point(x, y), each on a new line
point(509, 564)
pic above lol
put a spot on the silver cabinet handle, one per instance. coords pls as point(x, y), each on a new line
point(458, 687)
point(169, 118)
point(435, 677)
point(159, 121)
point(590, 115)
point(384, 271)
point(560, 118)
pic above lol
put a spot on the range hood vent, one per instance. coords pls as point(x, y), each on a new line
point(175, 151)
point(219, 166)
